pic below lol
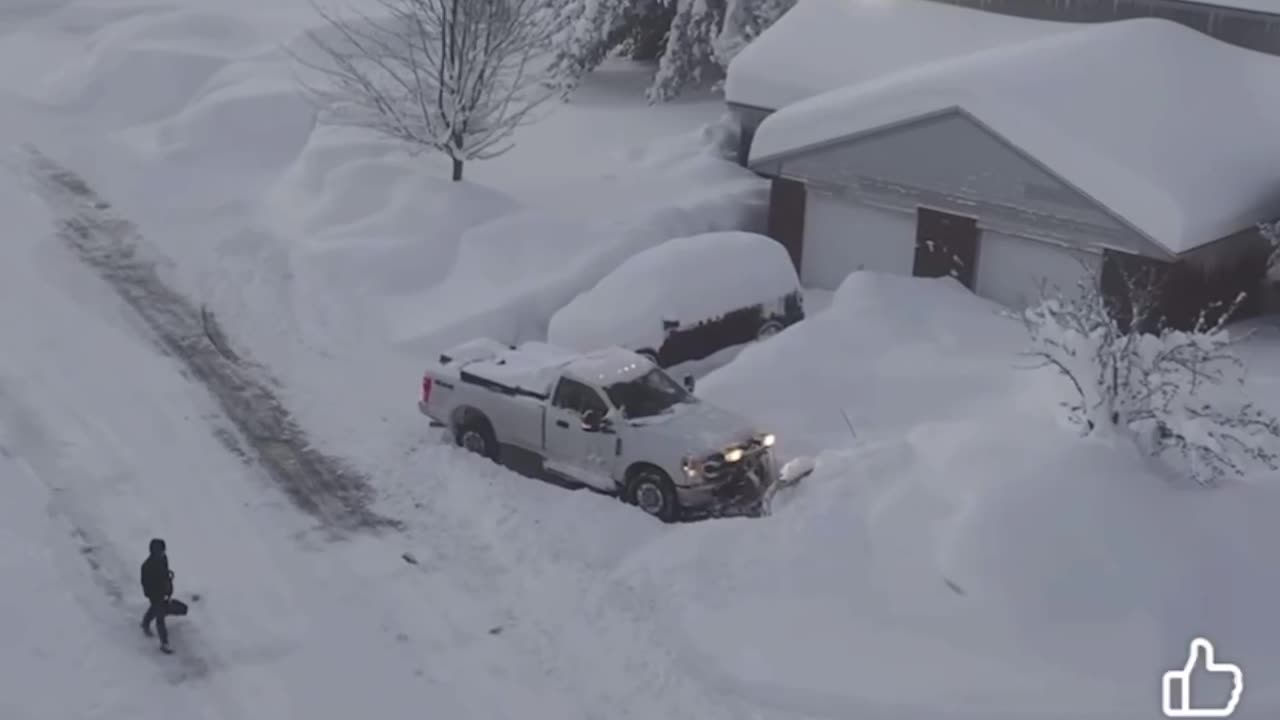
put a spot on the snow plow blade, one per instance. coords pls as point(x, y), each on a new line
point(755, 502)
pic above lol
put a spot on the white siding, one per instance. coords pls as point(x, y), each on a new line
point(1011, 269)
point(841, 237)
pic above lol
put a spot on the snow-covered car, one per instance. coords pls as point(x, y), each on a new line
point(686, 299)
point(609, 419)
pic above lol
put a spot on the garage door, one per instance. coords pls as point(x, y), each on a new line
point(841, 237)
point(1010, 269)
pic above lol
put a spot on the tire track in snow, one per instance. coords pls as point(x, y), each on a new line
point(26, 443)
point(321, 485)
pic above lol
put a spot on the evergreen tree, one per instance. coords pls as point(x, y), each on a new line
point(690, 55)
point(693, 40)
point(744, 20)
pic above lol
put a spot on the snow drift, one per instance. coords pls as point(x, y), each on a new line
point(961, 538)
point(514, 273)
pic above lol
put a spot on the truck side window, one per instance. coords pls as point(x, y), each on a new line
point(573, 395)
point(591, 400)
point(569, 395)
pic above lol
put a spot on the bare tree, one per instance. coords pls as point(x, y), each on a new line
point(1167, 390)
point(451, 76)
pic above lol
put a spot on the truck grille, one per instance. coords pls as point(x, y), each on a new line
point(753, 472)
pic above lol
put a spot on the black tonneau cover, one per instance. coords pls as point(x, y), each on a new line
point(495, 386)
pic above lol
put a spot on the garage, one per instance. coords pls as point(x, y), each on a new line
point(982, 171)
point(1012, 270)
point(843, 236)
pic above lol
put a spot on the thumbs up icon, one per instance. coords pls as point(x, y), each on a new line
point(1175, 688)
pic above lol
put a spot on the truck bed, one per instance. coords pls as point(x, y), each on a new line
point(528, 370)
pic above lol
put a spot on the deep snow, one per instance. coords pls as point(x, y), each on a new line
point(823, 45)
point(1076, 575)
point(1078, 572)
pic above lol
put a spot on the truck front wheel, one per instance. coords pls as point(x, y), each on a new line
point(653, 492)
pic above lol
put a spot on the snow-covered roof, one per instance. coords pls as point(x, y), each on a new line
point(1171, 130)
point(821, 45)
point(1266, 6)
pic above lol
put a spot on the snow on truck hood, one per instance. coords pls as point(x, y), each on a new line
point(699, 428)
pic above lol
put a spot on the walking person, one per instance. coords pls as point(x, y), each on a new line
point(157, 585)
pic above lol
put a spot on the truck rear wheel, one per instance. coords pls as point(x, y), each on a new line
point(653, 492)
point(477, 437)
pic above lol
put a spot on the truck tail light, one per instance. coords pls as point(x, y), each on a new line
point(426, 388)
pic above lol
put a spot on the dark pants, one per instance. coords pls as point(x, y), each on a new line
point(159, 607)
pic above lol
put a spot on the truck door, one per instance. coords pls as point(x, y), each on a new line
point(571, 449)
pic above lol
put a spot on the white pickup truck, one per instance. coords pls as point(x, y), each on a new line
point(608, 419)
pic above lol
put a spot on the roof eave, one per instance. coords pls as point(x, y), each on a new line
point(779, 157)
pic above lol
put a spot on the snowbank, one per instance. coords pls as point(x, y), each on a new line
point(966, 556)
point(821, 45)
point(688, 280)
point(873, 356)
point(1043, 95)
point(252, 117)
point(514, 273)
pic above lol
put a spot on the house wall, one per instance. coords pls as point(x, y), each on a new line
point(1246, 28)
point(951, 163)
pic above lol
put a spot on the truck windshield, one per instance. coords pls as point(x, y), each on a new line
point(653, 393)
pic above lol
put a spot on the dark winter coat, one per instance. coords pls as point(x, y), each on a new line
point(157, 581)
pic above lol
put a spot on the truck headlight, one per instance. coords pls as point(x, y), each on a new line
point(733, 455)
point(768, 440)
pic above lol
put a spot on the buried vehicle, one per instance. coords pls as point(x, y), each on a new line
point(687, 299)
point(609, 419)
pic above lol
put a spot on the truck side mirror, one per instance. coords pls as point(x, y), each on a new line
point(688, 383)
point(592, 420)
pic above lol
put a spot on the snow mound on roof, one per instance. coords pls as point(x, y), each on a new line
point(688, 280)
point(1266, 6)
point(963, 538)
point(821, 45)
point(1106, 107)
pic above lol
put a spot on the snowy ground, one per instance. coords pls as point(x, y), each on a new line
point(956, 555)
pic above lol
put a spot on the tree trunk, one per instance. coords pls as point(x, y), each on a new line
point(457, 142)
